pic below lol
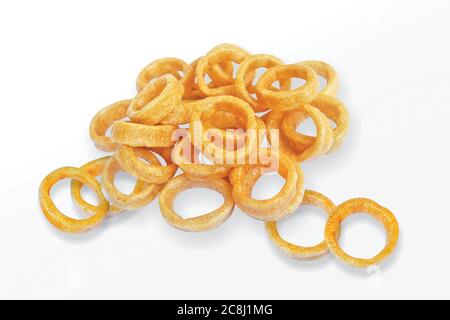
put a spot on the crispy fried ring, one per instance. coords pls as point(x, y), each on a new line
point(300, 252)
point(128, 158)
point(103, 120)
point(322, 142)
point(166, 66)
point(56, 217)
point(181, 114)
point(332, 108)
point(156, 100)
point(142, 135)
point(222, 73)
point(191, 165)
point(201, 223)
point(228, 104)
point(287, 99)
point(274, 207)
point(252, 63)
point(325, 70)
point(372, 208)
point(94, 168)
point(143, 193)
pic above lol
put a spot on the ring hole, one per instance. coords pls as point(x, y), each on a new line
point(89, 195)
point(61, 197)
point(180, 74)
point(124, 182)
point(268, 186)
point(194, 202)
point(305, 227)
point(276, 85)
point(235, 69)
point(204, 160)
point(160, 158)
point(297, 83)
point(362, 236)
point(148, 94)
point(258, 73)
point(322, 82)
point(307, 127)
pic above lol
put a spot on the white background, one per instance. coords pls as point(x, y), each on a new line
point(61, 61)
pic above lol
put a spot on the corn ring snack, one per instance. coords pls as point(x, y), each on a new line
point(287, 99)
point(156, 100)
point(222, 73)
point(103, 120)
point(247, 176)
point(143, 193)
point(228, 104)
point(375, 210)
point(181, 114)
point(272, 208)
point(129, 161)
point(165, 66)
point(252, 63)
point(186, 156)
point(201, 223)
point(94, 168)
point(214, 58)
point(56, 217)
point(142, 135)
point(301, 252)
point(325, 70)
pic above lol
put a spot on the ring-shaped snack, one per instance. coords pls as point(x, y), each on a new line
point(272, 208)
point(375, 210)
point(229, 104)
point(287, 99)
point(142, 135)
point(56, 217)
point(181, 114)
point(129, 160)
point(156, 100)
point(222, 73)
point(103, 120)
point(203, 222)
point(326, 71)
point(186, 156)
point(143, 193)
point(94, 168)
point(333, 109)
point(301, 252)
point(251, 64)
point(164, 66)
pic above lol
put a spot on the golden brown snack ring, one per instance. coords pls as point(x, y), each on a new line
point(128, 158)
point(333, 109)
point(380, 213)
point(185, 155)
point(325, 70)
point(94, 168)
point(222, 73)
point(252, 63)
point(142, 135)
point(182, 113)
point(103, 120)
point(166, 66)
point(143, 193)
point(300, 252)
point(272, 208)
point(56, 217)
point(201, 223)
point(287, 99)
point(156, 100)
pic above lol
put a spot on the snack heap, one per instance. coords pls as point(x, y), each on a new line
point(172, 93)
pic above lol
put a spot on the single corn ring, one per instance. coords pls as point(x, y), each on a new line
point(325, 70)
point(142, 135)
point(103, 120)
point(201, 223)
point(301, 252)
point(380, 213)
point(164, 66)
point(94, 168)
point(222, 73)
point(56, 217)
point(156, 100)
point(251, 64)
point(129, 161)
point(287, 99)
point(272, 208)
point(143, 193)
point(332, 108)
point(186, 156)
